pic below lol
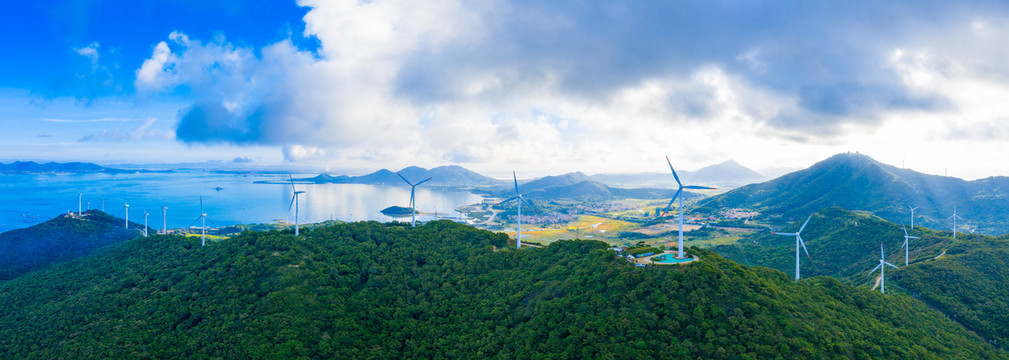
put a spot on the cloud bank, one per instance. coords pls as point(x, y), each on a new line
point(519, 81)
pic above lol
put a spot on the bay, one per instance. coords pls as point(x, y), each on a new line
point(28, 199)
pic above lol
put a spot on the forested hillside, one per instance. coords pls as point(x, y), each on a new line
point(370, 290)
point(970, 283)
point(841, 243)
point(60, 239)
point(966, 278)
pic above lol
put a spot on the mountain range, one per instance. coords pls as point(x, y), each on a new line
point(31, 167)
point(452, 176)
point(857, 182)
point(728, 174)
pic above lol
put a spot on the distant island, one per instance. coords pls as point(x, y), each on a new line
point(31, 167)
point(398, 211)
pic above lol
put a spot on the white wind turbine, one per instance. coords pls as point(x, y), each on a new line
point(164, 219)
point(912, 215)
point(679, 194)
point(203, 227)
point(145, 222)
point(798, 242)
point(882, 270)
point(413, 213)
point(518, 201)
point(127, 219)
point(906, 247)
point(294, 204)
point(954, 217)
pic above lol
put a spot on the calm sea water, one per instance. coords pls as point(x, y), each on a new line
point(27, 199)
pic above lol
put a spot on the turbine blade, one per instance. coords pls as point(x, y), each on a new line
point(803, 243)
point(874, 269)
point(529, 203)
point(289, 207)
point(404, 179)
point(786, 234)
point(903, 228)
point(891, 265)
point(425, 180)
point(674, 171)
point(905, 244)
point(673, 200)
point(507, 200)
point(194, 221)
point(698, 187)
point(292, 183)
point(804, 224)
point(516, 179)
point(913, 237)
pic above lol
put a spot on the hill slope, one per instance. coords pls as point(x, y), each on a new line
point(966, 278)
point(368, 290)
point(452, 176)
point(60, 239)
point(857, 182)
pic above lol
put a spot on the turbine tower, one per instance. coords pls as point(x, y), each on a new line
point(679, 193)
point(912, 215)
point(203, 227)
point(518, 201)
point(164, 219)
point(413, 219)
point(798, 241)
point(905, 246)
point(145, 222)
point(882, 270)
point(79, 196)
point(954, 217)
point(127, 219)
point(294, 204)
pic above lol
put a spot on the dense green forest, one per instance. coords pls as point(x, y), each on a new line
point(60, 239)
point(445, 290)
point(841, 243)
point(969, 282)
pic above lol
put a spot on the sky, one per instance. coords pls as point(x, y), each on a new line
point(538, 87)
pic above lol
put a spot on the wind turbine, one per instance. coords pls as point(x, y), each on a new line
point(679, 192)
point(518, 201)
point(912, 215)
point(905, 246)
point(164, 219)
point(882, 270)
point(145, 222)
point(798, 241)
point(294, 204)
point(954, 217)
point(413, 219)
point(127, 219)
point(203, 228)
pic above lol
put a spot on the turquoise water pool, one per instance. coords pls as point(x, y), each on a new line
point(670, 259)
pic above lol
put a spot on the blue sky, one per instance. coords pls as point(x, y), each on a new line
point(539, 87)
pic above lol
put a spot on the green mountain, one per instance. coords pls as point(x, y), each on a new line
point(60, 239)
point(452, 176)
point(857, 182)
point(444, 290)
point(966, 278)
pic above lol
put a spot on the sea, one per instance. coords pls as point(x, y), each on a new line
point(227, 199)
